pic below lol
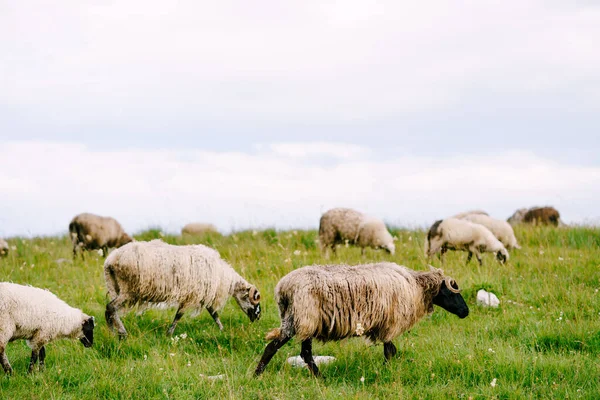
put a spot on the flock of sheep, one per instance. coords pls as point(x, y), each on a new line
point(325, 302)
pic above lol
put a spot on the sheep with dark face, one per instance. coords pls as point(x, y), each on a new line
point(93, 232)
point(39, 317)
point(542, 216)
point(188, 277)
point(343, 225)
point(536, 216)
point(458, 234)
point(378, 301)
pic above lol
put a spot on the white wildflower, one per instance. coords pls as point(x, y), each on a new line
point(254, 233)
point(183, 335)
point(493, 383)
point(359, 329)
point(491, 350)
point(297, 252)
point(172, 354)
point(560, 259)
point(145, 357)
point(100, 252)
point(362, 379)
point(541, 252)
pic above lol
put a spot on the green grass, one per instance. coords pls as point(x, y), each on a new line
point(542, 342)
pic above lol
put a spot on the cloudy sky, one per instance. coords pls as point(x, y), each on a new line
point(267, 114)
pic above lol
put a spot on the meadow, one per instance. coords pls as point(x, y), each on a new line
point(542, 342)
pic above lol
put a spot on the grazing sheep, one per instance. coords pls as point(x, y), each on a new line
point(471, 212)
point(39, 317)
point(3, 248)
point(189, 277)
point(198, 228)
point(501, 229)
point(542, 216)
point(93, 232)
point(339, 225)
point(379, 301)
point(458, 234)
point(536, 216)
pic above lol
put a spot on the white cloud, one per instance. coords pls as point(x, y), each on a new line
point(44, 184)
point(77, 62)
point(316, 149)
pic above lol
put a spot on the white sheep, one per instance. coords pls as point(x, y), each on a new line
point(198, 228)
point(341, 225)
point(3, 248)
point(93, 232)
point(458, 234)
point(501, 229)
point(378, 301)
point(189, 277)
point(39, 317)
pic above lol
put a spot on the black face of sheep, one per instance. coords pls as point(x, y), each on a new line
point(450, 299)
point(501, 257)
point(88, 332)
point(249, 301)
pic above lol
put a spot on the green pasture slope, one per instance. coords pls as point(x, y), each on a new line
point(542, 342)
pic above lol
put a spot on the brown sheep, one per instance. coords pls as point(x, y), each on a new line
point(197, 228)
point(542, 216)
point(93, 232)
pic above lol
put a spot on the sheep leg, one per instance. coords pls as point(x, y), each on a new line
point(5, 364)
point(479, 259)
point(443, 254)
point(215, 316)
point(469, 257)
point(34, 358)
point(389, 350)
point(112, 315)
point(306, 354)
point(42, 358)
point(270, 351)
point(178, 316)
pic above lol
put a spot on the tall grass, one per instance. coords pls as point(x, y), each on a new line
point(542, 342)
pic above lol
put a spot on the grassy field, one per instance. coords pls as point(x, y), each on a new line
point(542, 342)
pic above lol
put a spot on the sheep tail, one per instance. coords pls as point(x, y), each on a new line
point(274, 334)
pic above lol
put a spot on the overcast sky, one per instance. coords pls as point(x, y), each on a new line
point(267, 114)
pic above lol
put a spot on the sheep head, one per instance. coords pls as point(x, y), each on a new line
point(86, 335)
point(450, 299)
point(248, 298)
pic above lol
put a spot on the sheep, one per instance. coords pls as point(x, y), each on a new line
point(39, 317)
point(542, 216)
point(536, 216)
point(517, 217)
point(501, 229)
point(189, 277)
point(378, 301)
point(197, 228)
point(3, 248)
point(93, 232)
point(470, 212)
point(339, 225)
point(458, 234)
